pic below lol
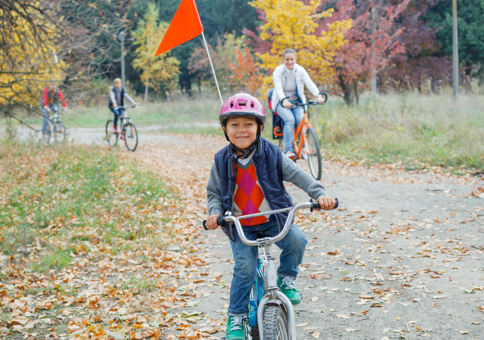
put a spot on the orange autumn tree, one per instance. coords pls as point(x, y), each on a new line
point(246, 74)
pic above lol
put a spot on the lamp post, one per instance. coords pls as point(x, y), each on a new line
point(121, 37)
point(455, 50)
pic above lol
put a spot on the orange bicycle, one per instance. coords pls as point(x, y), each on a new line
point(305, 137)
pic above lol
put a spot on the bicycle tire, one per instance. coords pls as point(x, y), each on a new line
point(130, 136)
point(47, 133)
point(276, 326)
point(112, 138)
point(59, 132)
point(314, 156)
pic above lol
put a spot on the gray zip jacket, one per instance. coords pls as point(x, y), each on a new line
point(291, 172)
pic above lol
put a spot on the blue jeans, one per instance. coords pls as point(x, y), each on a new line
point(293, 246)
point(117, 113)
point(45, 113)
point(290, 117)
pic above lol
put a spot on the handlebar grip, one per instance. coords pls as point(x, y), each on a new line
point(325, 98)
point(220, 221)
point(315, 204)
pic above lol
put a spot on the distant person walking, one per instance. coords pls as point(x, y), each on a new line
point(48, 102)
point(116, 102)
point(289, 80)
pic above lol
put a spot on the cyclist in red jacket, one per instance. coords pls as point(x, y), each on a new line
point(50, 97)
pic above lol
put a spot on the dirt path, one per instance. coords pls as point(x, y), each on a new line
point(402, 258)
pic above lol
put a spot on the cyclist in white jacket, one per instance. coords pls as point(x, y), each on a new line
point(289, 80)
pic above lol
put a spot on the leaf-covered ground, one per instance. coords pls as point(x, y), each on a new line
point(401, 259)
point(94, 246)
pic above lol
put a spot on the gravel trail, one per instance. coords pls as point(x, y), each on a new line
point(401, 259)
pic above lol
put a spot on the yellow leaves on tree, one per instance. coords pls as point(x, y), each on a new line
point(27, 59)
point(293, 24)
point(148, 35)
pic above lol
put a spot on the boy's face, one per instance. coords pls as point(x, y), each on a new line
point(242, 131)
point(117, 84)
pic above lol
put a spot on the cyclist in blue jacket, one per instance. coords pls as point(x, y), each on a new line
point(247, 177)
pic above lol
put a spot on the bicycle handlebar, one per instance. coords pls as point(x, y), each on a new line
point(125, 107)
point(312, 102)
point(223, 221)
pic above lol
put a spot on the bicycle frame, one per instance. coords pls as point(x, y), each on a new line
point(124, 117)
point(273, 294)
point(300, 132)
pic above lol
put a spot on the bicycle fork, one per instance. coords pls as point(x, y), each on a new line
point(274, 295)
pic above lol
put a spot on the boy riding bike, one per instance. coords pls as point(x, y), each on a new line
point(247, 177)
point(116, 98)
point(49, 100)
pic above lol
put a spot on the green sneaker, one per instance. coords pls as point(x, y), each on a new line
point(289, 289)
point(235, 328)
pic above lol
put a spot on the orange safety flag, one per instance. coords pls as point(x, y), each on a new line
point(186, 25)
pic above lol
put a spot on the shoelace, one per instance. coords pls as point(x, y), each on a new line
point(236, 322)
point(288, 282)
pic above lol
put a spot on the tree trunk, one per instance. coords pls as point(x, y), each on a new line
point(199, 85)
point(346, 90)
point(356, 92)
point(147, 80)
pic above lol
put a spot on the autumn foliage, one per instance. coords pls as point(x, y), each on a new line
point(245, 72)
point(294, 24)
point(372, 43)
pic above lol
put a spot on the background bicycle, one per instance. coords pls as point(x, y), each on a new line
point(128, 130)
point(305, 140)
point(54, 127)
point(271, 313)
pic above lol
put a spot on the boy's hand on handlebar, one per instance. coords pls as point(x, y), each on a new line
point(320, 99)
point(212, 222)
point(326, 202)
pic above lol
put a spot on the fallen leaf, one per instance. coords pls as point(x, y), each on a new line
point(314, 299)
point(349, 329)
point(316, 335)
point(302, 324)
point(342, 316)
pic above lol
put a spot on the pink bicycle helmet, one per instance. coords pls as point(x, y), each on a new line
point(242, 105)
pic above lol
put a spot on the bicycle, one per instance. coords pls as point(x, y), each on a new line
point(128, 130)
point(54, 124)
point(271, 314)
point(306, 135)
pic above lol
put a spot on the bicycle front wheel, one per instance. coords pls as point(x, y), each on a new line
point(276, 326)
point(314, 153)
point(111, 137)
point(47, 132)
point(59, 132)
point(130, 136)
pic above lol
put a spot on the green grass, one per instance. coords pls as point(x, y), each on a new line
point(65, 199)
point(56, 260)
point(182, 110)
point(142, 284)
point(417, 130)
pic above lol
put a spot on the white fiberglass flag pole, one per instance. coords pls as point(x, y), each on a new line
point(213, 70)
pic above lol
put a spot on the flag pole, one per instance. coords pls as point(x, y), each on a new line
point(213, 70)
